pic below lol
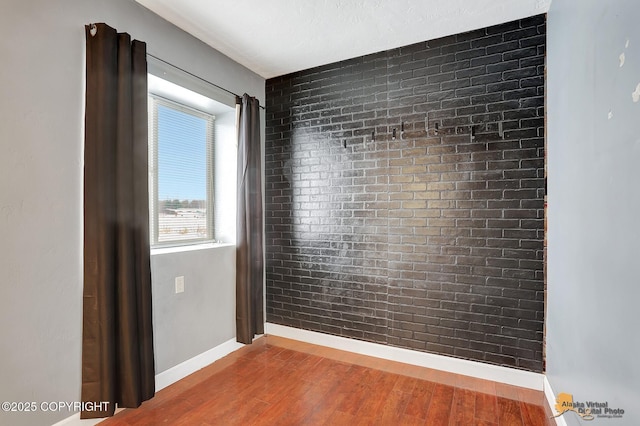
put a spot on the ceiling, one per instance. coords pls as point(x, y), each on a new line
point(278, 37)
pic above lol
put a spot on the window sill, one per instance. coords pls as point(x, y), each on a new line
point(192, 247)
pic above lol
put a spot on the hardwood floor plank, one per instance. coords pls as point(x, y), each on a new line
point(532, 415)
point(376, 397)
point(420, 399)
point(340, 418)
point(326, 367)
point(298, 410)
point(251, 412)
point(355, 387)
point(486, 407)
point(405, 383)
point(463, 407)
point(327, 392)
point(168, 414)
point(292, 407)
point(440, 406)
point(509, 412)
point(394, 407)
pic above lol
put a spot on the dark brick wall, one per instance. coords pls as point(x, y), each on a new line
point(432, 240)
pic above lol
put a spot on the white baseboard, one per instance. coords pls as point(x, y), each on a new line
point(170, 376)
point(511, 376)
point(551, 400)
point(196, 363)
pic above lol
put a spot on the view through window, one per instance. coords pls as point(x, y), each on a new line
point(184, 157)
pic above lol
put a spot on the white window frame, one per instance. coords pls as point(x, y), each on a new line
point(215, 100)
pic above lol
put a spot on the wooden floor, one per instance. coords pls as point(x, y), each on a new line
point(277, 381)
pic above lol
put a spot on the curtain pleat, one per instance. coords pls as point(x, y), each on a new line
point(117, 346)
point(249, 229)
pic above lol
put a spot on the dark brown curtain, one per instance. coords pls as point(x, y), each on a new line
point(117, 341)
point(249, 232)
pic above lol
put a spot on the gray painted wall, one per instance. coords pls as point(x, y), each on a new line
point(41, 150)
point(190, 323)
point(593, 203)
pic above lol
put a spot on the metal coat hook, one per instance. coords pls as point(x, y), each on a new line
point(473, 133)
point(436, 127)
point(500, 129)
point(394, 135)
point(373, 136)
point(402, 129)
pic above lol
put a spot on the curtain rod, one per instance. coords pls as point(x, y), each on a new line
point(198, 77)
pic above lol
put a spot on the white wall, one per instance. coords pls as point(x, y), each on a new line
point(594, 203)
point(41, 153)
point(226, 158)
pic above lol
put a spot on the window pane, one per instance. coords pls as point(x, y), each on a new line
point(182, 175)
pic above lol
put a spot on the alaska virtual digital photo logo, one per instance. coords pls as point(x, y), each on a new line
point(588, 410)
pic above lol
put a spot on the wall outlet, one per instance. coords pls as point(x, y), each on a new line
point(179, 285)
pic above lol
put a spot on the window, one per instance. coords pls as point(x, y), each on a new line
point(192, 170)
point(181, 147)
